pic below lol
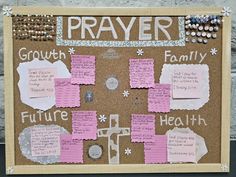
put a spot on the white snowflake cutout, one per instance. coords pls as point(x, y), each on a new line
point(213, 51)
point(102, 118)
point(125, 93)
point(7, 11)
point(224, 167)
point(71, 51)
point(226, 11)
point(10, 170)
point(128, 151)
point(140, 52)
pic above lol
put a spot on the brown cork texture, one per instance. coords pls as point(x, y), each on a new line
point(112, 102)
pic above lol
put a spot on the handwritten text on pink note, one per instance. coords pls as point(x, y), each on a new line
point(142, 127)
point(45, 141)
point(181, 147)
point(83, 69)
point(67, 94)
point(156, 152)
point(41, 82)
point(71, 149)
point(141, 73)
point(159, 98)
point(187, 83)
point(84, 125)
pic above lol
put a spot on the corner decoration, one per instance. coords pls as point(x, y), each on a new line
point(87, 91)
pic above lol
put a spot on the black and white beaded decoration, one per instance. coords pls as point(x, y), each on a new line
point(33, 27)
point(201, 28)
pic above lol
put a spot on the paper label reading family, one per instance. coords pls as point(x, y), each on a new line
point(41, 82)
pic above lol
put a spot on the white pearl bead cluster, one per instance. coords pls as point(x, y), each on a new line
point(33, 27)
point(201, 28)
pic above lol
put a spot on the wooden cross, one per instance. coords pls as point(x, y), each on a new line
point(113, 144)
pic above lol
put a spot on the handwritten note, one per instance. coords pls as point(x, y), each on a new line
point(84, 125)
point(41, 82)
point(67, 94)
point(141, 73)
point(142, 127)
point(187, 83)
point(156, 152)
point(181, 147)
point(71, 149)
point(159, 98)
point(45, 141)
point(83, 69)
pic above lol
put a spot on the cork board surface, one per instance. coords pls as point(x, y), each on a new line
point(112, 102)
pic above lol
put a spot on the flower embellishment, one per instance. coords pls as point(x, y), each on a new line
point(128, 151)
point(140, 52)
point(224, 167)
point(71, 51)
point(102, 118)
point(213, 51)
point(125, 93)
point(226, 11)
point(10, 170)
point(7, 11)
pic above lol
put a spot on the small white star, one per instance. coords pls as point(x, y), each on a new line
point(71, 50)
point(102, 118)
point(226, 11)
point(213, 51)
point(140, 51)
point(127, 151)
point(126, 93)
point(7, 11)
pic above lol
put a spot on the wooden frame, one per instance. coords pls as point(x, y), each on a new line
point(12, 168)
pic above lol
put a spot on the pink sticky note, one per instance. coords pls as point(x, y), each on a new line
point(181, 147)
point(156, 152)
point(159, 98)
point(142, 127)
point(45, 141)
point(187, 83)
point(141, 73)
point(41, 82)
point(83, 69)
point(71, 149)
point(67, 94)
point(84, 125)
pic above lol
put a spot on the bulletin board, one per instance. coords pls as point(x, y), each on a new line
point(117, 90)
